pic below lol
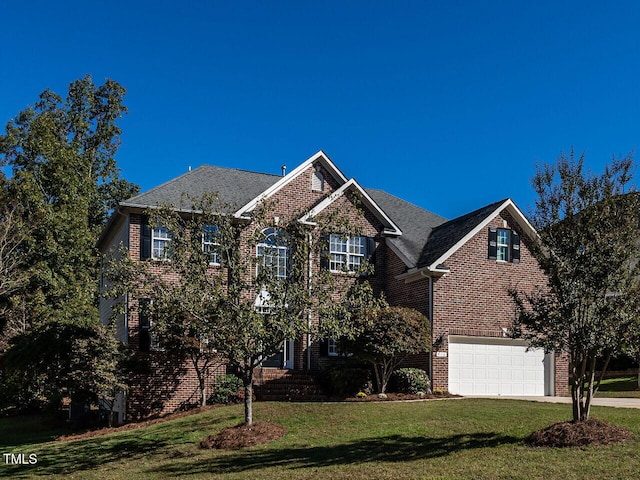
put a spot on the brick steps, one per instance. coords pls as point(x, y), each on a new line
point(286, 386)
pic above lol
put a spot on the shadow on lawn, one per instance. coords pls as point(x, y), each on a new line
point(386, 449)
point(67, 458)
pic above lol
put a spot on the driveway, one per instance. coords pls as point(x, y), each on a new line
point(601, 402)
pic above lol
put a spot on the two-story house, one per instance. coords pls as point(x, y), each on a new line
point(456, 272)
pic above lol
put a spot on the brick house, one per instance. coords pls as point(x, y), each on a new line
point(456, 272)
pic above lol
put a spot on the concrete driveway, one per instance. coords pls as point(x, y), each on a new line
point(601, 402)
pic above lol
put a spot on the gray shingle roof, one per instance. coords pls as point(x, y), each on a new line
point(446, 235)
point(234, 187)
point(415, 222)
point(425, 235)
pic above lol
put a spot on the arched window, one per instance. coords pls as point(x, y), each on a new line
point(274, 252)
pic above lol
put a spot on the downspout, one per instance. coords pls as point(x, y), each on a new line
point(430, 314)
point(309, 266)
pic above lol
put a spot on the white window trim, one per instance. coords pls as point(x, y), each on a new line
point(213, 245)
point(155, 236)
point(276, 252)
point(503, 247)
point(347, 255)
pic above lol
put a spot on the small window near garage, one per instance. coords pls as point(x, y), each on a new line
point(504, 245)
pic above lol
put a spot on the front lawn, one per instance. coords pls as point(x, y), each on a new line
point(457, 438)
point(621, 387)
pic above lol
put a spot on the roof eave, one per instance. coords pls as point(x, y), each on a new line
point(390, 228)
point(415, 274)
point(319, 156)
point(511, 208)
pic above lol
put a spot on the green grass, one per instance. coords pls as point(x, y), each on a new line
point(466, 438)
point(625, 386)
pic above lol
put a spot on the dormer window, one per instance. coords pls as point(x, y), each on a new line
point(504, 245)
point(317, 181)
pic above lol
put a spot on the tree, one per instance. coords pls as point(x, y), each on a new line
point(224, 302)
point(64, 183)
point(56, 360)
point(385, 336)
point(588, 248)
point(12, 273)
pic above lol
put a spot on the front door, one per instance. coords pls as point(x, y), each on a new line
point(282, 359)
point(288, 354)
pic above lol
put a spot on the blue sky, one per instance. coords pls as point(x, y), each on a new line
point(448, 105)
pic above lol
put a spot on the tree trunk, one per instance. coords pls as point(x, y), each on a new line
point(203, 388)
point(247, 381)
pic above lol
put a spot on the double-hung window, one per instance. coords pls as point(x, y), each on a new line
point(346, 253)
point(273, 252)
point(210, 244)
point(160, 240)
point(504, 245)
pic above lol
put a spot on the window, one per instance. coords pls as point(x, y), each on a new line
point(504, 245)
point(210, 245)
point(274, 252)
point(160, 239)
point(317, 181)
point(347, 254)
point(148, 338)
point(332, 347)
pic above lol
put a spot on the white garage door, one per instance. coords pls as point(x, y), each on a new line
point(487, 366)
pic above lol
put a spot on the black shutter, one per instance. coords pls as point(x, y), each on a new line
point(324, 251)
point(371, 247)
point(144, 325)
point(324, 348)
point(493, 243)
point(515, 247)
point(145, 239)
point(370, 255)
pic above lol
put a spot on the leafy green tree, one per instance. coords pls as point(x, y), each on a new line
point(64, 183)
point(56, 360)
point(588, 248)
point(385, 336)
point(243, 310)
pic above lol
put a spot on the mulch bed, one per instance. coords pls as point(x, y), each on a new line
point(240, 436)
point(578, 434)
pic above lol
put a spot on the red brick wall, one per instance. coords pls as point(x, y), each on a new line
point(473, 298)
point(172, 383)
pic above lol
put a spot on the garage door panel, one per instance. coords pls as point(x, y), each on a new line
point(480, 366)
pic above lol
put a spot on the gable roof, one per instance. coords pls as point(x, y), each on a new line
point(319, 157)
point(235, 187)
point(416, 224)
point(390, 227)
point(448, 237)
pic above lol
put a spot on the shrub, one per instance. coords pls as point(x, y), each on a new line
point(227, 389)
point(343, 380)
point(411, 380)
